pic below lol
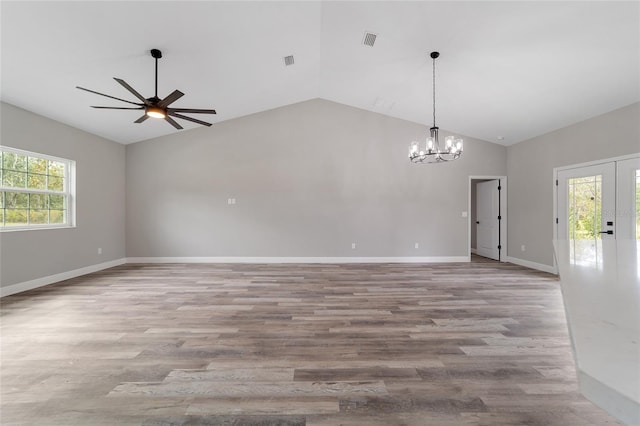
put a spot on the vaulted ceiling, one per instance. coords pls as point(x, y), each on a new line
point(513, 70)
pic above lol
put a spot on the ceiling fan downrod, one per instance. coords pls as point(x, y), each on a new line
point(157, 54)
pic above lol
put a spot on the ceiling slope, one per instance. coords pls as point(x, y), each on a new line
point(507, 69)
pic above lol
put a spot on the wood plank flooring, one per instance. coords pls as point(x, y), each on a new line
point(480, 343)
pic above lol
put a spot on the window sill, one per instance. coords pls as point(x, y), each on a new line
point(34, 228)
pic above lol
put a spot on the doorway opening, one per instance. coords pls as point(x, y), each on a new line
point(487, 218)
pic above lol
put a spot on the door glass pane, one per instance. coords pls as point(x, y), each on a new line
point(585, 208)
point(585, 217)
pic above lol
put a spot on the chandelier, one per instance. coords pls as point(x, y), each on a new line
point(430, 151)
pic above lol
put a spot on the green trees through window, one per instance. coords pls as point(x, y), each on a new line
point(35, 189)
point(585, 208)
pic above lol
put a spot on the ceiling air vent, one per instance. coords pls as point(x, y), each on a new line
point(288, 60)
point(369, 39)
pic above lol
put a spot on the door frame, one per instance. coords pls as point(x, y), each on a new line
point(503, 214)
point(626, 214)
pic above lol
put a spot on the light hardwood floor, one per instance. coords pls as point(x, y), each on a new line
point(478, 343)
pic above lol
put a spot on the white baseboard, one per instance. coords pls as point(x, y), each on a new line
point(239, 259)
point(618, 405)
point(533, 265)
point(40, 282)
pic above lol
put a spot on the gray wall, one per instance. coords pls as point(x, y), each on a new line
point(530, 167)
point(100, 175)
point(309, 179)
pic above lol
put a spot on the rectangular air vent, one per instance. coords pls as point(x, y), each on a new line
point(288, 60)
point(369, 39)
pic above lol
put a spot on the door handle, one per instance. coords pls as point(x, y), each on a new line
point(609, 232)
point(478, 222)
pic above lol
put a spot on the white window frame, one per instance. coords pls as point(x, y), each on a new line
point(69, 192)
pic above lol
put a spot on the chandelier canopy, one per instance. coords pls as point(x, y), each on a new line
point(429, 151)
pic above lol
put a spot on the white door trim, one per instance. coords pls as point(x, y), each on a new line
point(626, 197)
point(503, 213)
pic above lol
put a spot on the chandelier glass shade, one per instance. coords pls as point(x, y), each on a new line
point(429, 150)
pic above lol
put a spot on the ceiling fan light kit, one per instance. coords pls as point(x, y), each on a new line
point(155, 112)
point(429, 151)
point(155, 107)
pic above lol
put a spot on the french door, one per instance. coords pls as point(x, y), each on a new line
point(600, 201)
point(587, 203)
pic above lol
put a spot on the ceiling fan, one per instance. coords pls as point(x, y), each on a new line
point(154, 106)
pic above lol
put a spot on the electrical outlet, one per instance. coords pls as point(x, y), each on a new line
point(522, 248)
point(99, 250)
point(231, 201)
point(353, 245)
point(464, 214)
point(416, 245)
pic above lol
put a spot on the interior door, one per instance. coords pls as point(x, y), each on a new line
point(628, 199)
point(587, 204)
point(487, 222)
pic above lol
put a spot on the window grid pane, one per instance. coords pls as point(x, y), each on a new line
point(38, 217)
point(14, 162)
point(13, 179)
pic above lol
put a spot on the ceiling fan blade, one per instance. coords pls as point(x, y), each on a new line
point(141, 119)
point(184, 117)
point(172, 122)
point(132, 90)
point(193, 111)
point(174, 96)
point(106, 107)
point(108, 96)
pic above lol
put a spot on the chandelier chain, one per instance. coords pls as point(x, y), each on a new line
point(434, 92)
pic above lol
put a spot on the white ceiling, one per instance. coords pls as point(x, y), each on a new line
point(510, 69)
